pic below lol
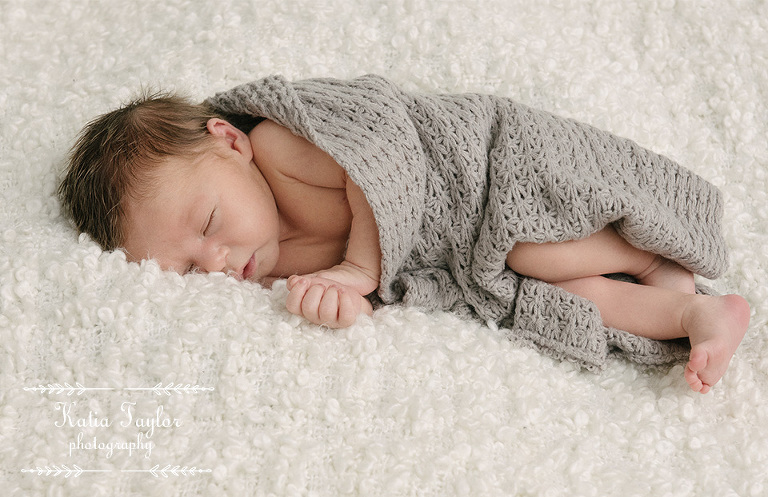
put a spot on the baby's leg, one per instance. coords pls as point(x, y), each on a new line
point(602, 253)
point(663, 307)
point(715, 326)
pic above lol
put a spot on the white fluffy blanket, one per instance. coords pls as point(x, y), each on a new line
point(119, 379)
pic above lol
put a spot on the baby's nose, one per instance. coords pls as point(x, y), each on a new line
point(216, 259)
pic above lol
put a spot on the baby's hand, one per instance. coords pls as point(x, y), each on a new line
point(325, 302)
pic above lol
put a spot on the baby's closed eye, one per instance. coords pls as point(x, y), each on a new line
point(209, 225)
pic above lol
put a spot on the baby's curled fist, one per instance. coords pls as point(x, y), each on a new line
point(325, 302)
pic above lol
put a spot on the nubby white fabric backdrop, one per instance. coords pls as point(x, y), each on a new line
point(120, 379)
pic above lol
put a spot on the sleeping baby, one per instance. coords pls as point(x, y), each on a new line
point(361, 194)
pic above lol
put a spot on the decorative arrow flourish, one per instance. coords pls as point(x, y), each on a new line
point(63, 470)
point(57, 388)
point(169, 470)
point(170, 388)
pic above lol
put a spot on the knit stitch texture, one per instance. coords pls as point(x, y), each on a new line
point(454, 181)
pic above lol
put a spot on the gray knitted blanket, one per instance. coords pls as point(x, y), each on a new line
point(454, 181)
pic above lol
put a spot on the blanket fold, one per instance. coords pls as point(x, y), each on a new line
point(454, 181)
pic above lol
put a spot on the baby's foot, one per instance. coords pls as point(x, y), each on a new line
point(715, 327)
point(667, 274)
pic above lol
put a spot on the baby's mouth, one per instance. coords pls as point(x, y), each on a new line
point(250, 267)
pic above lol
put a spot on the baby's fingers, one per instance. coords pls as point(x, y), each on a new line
point(294, 280)
point(328, 307)
point(338, 308)
point(315, 302)
point(312, 304)
point(348, 308)
point(333, 306)
point(297, 290)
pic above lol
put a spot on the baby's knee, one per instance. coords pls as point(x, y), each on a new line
point(525, 259)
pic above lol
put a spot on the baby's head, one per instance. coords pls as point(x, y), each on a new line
point(166, 179)
point(115, 156)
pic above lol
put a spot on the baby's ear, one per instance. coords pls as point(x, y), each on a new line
point(235, 139)
point(222, 129)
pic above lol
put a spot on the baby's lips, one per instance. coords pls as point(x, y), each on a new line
point(250, 268)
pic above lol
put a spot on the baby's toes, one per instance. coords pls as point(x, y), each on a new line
point(693, 379)
point(697, 361)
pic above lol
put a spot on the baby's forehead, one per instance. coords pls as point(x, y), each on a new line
point(173, 175)
point(157, 191)
point(166, 172)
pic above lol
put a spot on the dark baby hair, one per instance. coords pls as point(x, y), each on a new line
point(115, 153)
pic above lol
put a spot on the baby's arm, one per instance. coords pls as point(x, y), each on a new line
point(333, 296)
point(361, 267)
point(336, 296)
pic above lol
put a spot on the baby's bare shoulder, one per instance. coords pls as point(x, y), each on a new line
point(278, 152)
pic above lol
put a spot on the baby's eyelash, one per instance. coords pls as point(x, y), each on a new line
point(210, 220)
